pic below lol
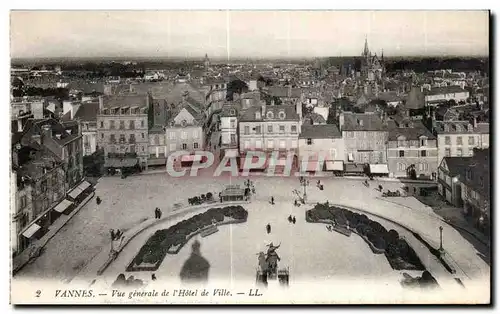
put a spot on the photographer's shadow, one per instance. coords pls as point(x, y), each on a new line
point(196, 267)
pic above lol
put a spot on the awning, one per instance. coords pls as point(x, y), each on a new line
point(120, 162)
point(61, 207)
point(337, 165)
point(157, 161)
point(28, 233)
point(379, 169)
point(79, 189)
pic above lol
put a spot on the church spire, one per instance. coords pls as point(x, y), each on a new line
point(366, 51)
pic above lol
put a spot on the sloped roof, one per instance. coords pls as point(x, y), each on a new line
point(413, 132)
point(456, 165)
point(290, 113)
point(363, 122)
point(320, 131)
point(445, 90)
point(87, 111)
point(124, 101)
point(460, 127)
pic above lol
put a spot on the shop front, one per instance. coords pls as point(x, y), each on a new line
point(379, 170)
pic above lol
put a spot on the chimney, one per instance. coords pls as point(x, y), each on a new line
point(341, 121)
point(101, 103)
point(46, 133)
point(474, 122)
point(289, 91)
point(298, 108)
point(263, 109)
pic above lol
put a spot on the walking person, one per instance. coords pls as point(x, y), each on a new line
point(268, 228)
point(294, 220)
point(112, 233)
point(272, 200)
point(290, 219)
point(153, 277)
point(159, 213)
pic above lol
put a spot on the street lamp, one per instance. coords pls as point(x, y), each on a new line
point(441, 239)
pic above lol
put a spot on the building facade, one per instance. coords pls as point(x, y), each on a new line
point(445, 93)
point(412, 150)
point(122, 129)
point(270, 129)
point(459, 138)
point(365, 137)
point(321, 143)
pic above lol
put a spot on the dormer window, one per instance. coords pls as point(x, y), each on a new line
point(282, 115)
point(446, 128)
point(469, 127)
point(270, 115)
point(257, 115)
point(183, 123)
point(423, 141)
point(232, 112)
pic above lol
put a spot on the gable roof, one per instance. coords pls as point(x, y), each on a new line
point(87, 111)
point(320, 131)
point(363, 122)
point(412, 132)
point(456, 165)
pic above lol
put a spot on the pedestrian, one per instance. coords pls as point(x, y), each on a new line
point(159, 213)
point(253, 190)
point(98, 200)
point(112, 233)
point(272, 200)
point(294, 220)
point(380, 188)
point(153, 277)
point(290, 219)
point(268, 228)
point(118, 234)
point(295, 203)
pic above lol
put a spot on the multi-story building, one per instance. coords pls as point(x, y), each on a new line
point(322, 143)
point(216, 94)
point(459, 138)
point(365, 138)
point(411, 150)
point(476, 190)
point(450, 171)
point(86, 114)
point(270, 129)
point(228, 130)
point(184, 130)
point(445, 93)
point(122, 130)
point(47, 162)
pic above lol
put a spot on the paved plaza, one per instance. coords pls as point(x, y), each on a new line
point(232, 251)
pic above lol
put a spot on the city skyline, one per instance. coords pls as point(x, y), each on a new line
point(226, 35)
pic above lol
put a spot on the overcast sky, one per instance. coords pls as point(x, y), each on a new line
point(226, 34)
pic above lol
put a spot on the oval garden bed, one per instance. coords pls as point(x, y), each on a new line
point(397, 251)
point(171, 240)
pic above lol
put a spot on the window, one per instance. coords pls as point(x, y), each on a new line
point(195, 145)
point(142, 148)
point(401, 153)
point(23, 201)
point(447, 140)
point(309, 141)
point(131, 138)
point(282, 129)
point(294, 144)
point(233, 138)
point(195, 134)
point(102, 135)
point(269, 129)
point(247, 144)
point(112, 138)
point(459, 140)
point(257, 115)
point(142, 135)
point(270, 144)
point(122, 138)
point(112, 124)
point(247, 130)
point(459, 152)
point(132, 148)
point(172, 135)
point(122, 125)
point(131, 124)
point(173, 147)
point(270, 115)
point(43, 185)
point(233, 123)
point(142, 123)
point(257, 129)
point(157, 140)
point(184, 146)
point(102, 124)
point(184, 135)
point(423, 153)
point(401, 143)
point(423, 142)
point(294, 129)
point(281, 115)
point(447, 152)
point(471, 140)
point(258, 144)
point(282, 144)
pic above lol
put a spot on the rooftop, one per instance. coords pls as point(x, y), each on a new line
point(320, 131)
point(363, 122)
point(290, 113)
point(411, 130)
point(444, 90)
point(461, 127)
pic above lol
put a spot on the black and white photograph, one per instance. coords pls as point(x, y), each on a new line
point(250, 157)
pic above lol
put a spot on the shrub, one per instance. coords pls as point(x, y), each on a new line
point(392, 236)
point(392, 250)
point(402, 247)
point(363, 219)
point(379, 243)
point(139, 258)
point(218, 217)
point(375, 226)
point(363, 229)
